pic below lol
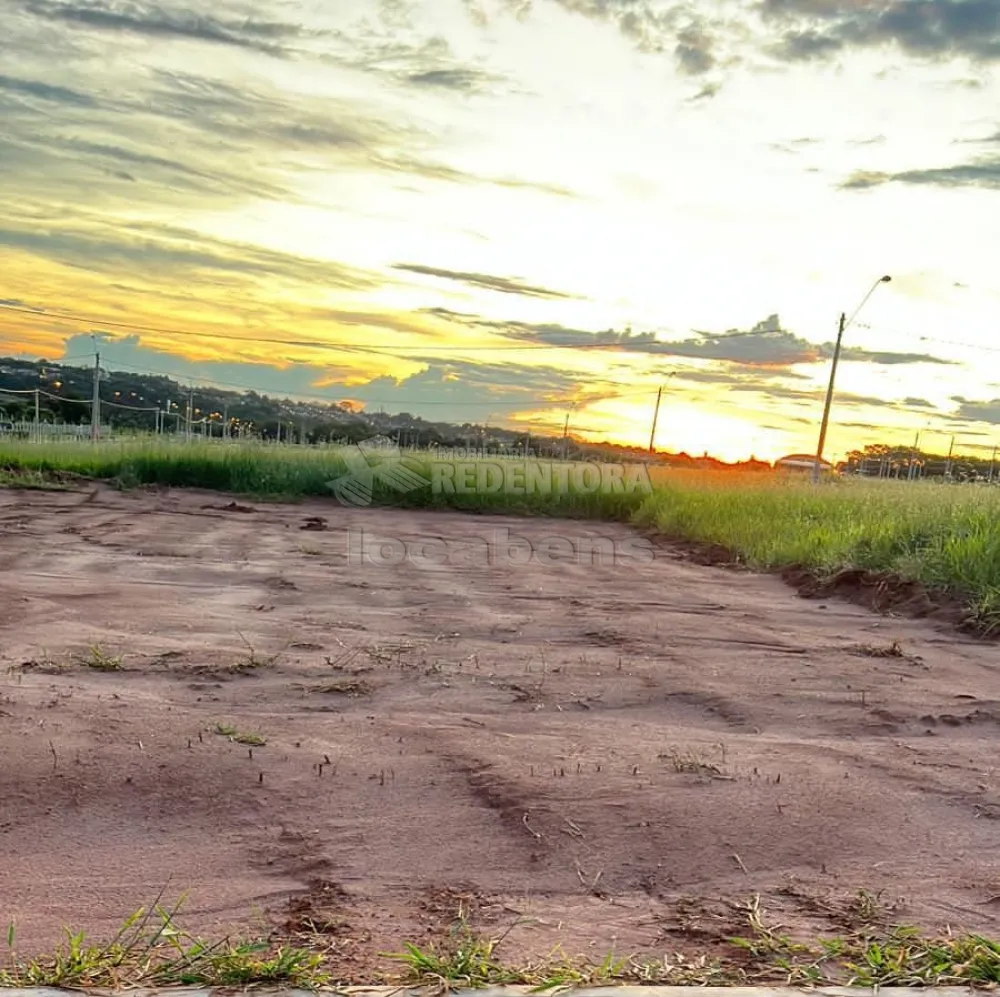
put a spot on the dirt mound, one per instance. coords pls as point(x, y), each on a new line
point(880, 591)
point(696, 551)
point(883, 592)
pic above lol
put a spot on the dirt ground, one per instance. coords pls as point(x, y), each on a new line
point(591, 755)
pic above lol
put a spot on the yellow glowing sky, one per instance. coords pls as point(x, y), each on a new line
point(440, 206)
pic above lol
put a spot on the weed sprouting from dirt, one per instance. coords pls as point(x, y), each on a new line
point(870, 909)
point(905, 959)
point(240, 737)
point(344, 687)
point(469, 959)
point(689, 761)
point(871, 954)
point(101, 661)
point(152, 950)
point(893, 650)
point(251, 661)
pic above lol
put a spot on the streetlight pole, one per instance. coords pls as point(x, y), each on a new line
point(565, 439)
point(656, 419)
point(844, 323)
point(656, 415)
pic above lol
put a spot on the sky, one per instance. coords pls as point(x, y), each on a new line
point(507, 212)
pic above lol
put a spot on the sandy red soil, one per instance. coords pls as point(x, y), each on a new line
point(596, 754)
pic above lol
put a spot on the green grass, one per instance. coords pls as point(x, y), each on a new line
point(240, 737)
point(153, 950)
point(101, 661)
point(944, 536)
point(266, 471)
point(12, 477)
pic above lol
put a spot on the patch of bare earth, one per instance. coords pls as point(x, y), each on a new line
point(588, 755)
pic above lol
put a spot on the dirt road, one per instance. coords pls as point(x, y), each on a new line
point(603, 750)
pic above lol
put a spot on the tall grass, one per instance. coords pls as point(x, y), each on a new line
point(945, 536)
point(269, 471)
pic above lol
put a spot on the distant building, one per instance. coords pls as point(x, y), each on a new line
point(800, 462)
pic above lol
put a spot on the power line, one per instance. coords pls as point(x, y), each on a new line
point(211, 382)
point(299, 344)
point(928, 339)
point(495, 403)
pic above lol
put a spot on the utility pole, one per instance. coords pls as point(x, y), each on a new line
point(95, 403)
point(844, 323)
point(565, 436)
point(821, 446)
point(38, 431)
point(993, 464)
point(656, 418)
point(951, 450)
point(911, 470)
point(190, 412)
point(225, 422)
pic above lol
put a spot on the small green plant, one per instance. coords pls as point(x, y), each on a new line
point(152, 950)
point(689, 761)
point(469, 962)
point(468, 959)
point(252, 661)
point(240, 737)
point(345, 687)
point(893, 650)
point(101, 661)
point(905, 959)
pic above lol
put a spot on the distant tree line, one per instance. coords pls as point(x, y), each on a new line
point(142, 402)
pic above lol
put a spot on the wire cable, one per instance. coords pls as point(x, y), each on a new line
point(301, 344)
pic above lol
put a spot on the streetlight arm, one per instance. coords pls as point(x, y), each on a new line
point(864, 301)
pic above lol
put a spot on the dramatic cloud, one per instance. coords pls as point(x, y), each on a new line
point(504, 285)
point(677, 28)
point(473, 388)
point(694, 50)
point(302, 381)
point(980, 173)
point(46, 92)
point(926, 29)
point(701, 38)
point(465, 80)
point(981, 411)
point(396, 53)
point(174, 255)
point(765, 345)
point(161, 22)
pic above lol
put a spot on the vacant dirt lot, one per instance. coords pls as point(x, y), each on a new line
point(597, 754)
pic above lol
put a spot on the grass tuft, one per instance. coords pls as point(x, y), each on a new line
point(152, 950)
point(101, 661)
point(240, 737)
